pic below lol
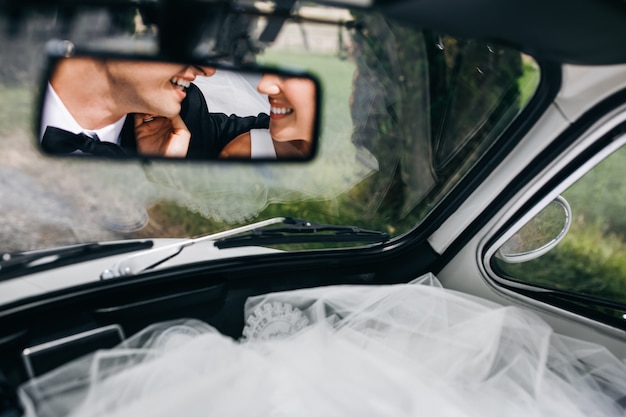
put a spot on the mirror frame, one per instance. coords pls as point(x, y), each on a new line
point(530, 255)
point(58, 50)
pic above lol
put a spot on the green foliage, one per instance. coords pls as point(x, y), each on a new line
point(16, 109)
point(441, 102)
point(591, 259)
point(529, 79)
point(395, 85)
point(606, 184)
point(588, 261)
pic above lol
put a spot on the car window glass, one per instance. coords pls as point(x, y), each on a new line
point(405, 115)
point(419, 109)
point(591, 259)
point(460, 116)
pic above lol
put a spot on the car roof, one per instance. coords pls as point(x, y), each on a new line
point(584, 32)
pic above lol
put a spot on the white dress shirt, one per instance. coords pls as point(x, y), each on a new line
point(55, 114)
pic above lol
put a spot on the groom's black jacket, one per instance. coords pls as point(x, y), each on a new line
point(210, 132)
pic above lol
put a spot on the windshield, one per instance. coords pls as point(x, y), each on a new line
point(405, 114)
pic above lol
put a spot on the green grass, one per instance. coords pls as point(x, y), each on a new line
point(16, 109)
point(529, 80)
point(592, 257)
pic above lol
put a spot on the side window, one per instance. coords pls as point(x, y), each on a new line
point(589, 263)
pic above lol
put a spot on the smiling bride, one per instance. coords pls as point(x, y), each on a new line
point(292, 117)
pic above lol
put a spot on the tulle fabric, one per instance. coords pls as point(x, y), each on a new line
point(401, 350)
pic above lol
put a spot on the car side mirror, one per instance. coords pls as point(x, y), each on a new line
point(539, 235)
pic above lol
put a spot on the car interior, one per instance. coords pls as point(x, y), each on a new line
point(486, 180)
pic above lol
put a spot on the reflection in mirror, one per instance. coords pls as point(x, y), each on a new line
point(292, 118)
point(120, 108)
point(542, 233)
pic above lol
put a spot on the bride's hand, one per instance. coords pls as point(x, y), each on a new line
point(161, 136)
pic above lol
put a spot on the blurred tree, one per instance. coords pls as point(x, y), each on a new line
point(427, 106)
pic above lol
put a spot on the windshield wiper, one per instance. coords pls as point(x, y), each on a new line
point(20, 263)
point(293, 230)
point(303, 231)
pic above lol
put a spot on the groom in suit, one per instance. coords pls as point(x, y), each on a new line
point(118, 107)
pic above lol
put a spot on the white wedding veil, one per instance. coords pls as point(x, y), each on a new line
point(231, 92)
point(396, 350)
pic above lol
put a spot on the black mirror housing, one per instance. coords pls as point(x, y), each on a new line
point(152, 107)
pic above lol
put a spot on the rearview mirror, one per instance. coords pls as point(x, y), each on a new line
point(95, 106)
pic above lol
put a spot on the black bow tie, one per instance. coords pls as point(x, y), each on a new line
point(59, 141)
